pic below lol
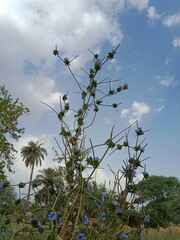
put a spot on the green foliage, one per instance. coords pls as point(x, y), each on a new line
point(10, 112)
point(50, 181)
point(163, 199)
point(165, 235)
point(7, 206)
point(159, 188)
point(7, 198)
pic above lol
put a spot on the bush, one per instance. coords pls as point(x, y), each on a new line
point(68, 203)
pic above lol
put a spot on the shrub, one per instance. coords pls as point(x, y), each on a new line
point(70, 204)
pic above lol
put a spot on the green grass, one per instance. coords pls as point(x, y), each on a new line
point(155, 235)
point(170, 233)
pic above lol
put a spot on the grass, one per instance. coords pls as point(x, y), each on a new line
point(170, 233)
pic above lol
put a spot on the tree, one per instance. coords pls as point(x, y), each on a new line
point(45, 180)
point(51, 181)
point(10, 112)
point(32, 155)
point(163, 198)
point(7, 208)
point(7, 199)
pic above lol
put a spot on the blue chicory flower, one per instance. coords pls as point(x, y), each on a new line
point(128, 167)
point(99, 61)
point(142, 149)
point(124, 236)
point(115, 203)
point(71, 169)
point(146, 219)
point(1, 185)
point(60, 220)
point(40, 228)
point(113, 51)
point(52, 216)
point(85, 220)
point(145, 174)
point(119, 211)
point(97, 204)
point(103, 196)
point(88, 186)
point(80, 236)
point(133, 174)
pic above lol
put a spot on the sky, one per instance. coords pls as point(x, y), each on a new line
point(148, 60)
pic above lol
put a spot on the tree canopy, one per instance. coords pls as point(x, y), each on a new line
point(163, 198)
point(10, 112)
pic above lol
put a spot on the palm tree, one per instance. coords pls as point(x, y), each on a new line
point(32, 155)
point(51, 181)
point(45, 179)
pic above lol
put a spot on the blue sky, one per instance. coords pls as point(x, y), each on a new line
point(147, 59)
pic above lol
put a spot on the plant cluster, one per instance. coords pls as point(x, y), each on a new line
point(68, 203)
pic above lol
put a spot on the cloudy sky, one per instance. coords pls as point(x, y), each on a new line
point(148, 32)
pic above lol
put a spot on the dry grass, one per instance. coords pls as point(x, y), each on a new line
point(170, 233)
point(173, 228)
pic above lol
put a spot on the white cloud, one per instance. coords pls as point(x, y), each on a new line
point(36, 89)
point(166, 81)
point(138, 4)
point(41, 88)
point(172, 20)
point(125, 112)
point(102, 176)
point(159, 109)
point(152, 13)
point(167, 61)
point(30, 29)
point(137, 110)
point(158, 77)
point(160, 105)
point(150, 89)
point(176, 42)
